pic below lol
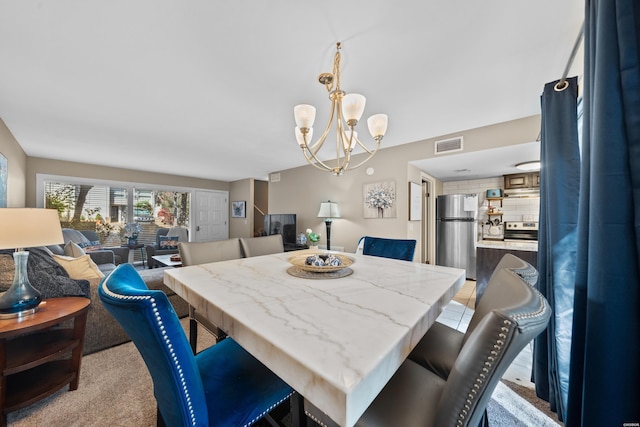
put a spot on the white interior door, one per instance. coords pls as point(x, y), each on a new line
point(211, 216)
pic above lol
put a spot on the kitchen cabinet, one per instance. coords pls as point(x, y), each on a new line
point(488, 258)
point(522, 180)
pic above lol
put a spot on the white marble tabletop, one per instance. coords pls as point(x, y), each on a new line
point(335, 341)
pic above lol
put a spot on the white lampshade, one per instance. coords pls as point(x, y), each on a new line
point(27, 227)
point(353, 106)
point(328, 210)
point(305, 115)
point(299, 137)
point(378, 125)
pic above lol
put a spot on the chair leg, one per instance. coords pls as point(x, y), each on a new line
point(193, 334)
point(298, 418)
point(159, 420)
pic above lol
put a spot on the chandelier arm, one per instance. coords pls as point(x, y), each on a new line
point(315, 147)
point(340, 145)
point(314, 161)
point(371, 153)
point(336, 65)
point(365, 148)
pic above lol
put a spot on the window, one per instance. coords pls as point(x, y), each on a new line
point(106, 209)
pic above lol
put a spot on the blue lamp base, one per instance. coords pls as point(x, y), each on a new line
point(21, 299)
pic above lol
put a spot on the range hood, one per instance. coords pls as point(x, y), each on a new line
point(522, 192)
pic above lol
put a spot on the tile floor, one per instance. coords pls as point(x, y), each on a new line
point(458, 314)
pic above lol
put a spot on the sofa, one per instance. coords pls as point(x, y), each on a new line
point(162, 246)
point(106, 258)
point(102, 330)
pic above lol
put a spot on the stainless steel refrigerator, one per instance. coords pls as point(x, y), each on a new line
point(456, 231)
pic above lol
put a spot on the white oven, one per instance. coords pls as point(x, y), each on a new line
point(518, 231)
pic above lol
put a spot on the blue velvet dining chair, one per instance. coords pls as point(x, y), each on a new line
point(402, 249)
point(220, 386)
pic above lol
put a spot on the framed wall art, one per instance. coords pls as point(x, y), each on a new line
point(4, 177)
point(380, 199)
point(238, 209)
point(415, 201)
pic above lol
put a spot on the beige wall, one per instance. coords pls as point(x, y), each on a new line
point(300, 190)
point(36, 165)
point(17, 168)
point(241, 191)
point(261, 201)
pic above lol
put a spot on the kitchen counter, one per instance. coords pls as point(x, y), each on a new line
point(489, 254)
point(531, 246)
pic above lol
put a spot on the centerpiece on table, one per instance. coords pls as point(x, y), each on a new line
point(313, 238)
point(131, 232)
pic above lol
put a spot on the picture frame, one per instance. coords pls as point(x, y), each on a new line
point(415, 202)
point(4, 177)
point(238, 209)
point(379, 199)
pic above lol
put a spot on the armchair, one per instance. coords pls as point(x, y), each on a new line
point(157, 247)
point(220, 386)
point(441, 345)
point(121, 253)
point(105, 258)
point(402, 249)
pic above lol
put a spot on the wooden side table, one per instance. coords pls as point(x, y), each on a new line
point(31, 366)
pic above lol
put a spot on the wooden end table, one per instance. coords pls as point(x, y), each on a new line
point(31, 366)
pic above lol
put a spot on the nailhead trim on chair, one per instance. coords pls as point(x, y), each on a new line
point(313, 418)
point(497, 348)
point(166, 340)
point(269, 409)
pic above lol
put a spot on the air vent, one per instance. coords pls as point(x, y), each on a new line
point(448, 145)
point(275, 177)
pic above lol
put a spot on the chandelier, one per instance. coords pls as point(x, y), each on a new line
point(350, 106)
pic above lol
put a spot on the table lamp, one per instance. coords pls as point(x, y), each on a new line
point(25, 228)
point(328, 211)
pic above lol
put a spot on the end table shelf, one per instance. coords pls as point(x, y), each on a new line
point(32, 353)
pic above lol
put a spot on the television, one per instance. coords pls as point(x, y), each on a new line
point(283, 224)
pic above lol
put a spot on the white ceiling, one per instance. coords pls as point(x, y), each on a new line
point(206, 89)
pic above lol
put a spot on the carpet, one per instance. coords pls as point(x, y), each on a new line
point(116, 390)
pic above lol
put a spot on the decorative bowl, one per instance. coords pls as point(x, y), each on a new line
point(300, 262)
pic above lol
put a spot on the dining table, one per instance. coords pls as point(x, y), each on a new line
point(336, 339)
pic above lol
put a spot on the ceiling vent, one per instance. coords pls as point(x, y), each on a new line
point(275, 177)
point(448, 145)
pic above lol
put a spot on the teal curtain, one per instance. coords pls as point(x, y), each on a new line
point(604, 377)
point(557, 238)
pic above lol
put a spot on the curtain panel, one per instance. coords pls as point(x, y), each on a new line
point(604, 374)
point(557, 238)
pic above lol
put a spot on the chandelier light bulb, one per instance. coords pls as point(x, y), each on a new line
point(300, 137)
point(347, 138)
point(378, 125)
point(305, 115)
point(353, 107)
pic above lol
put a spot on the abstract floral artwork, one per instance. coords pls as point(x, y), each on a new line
point(380, 200)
